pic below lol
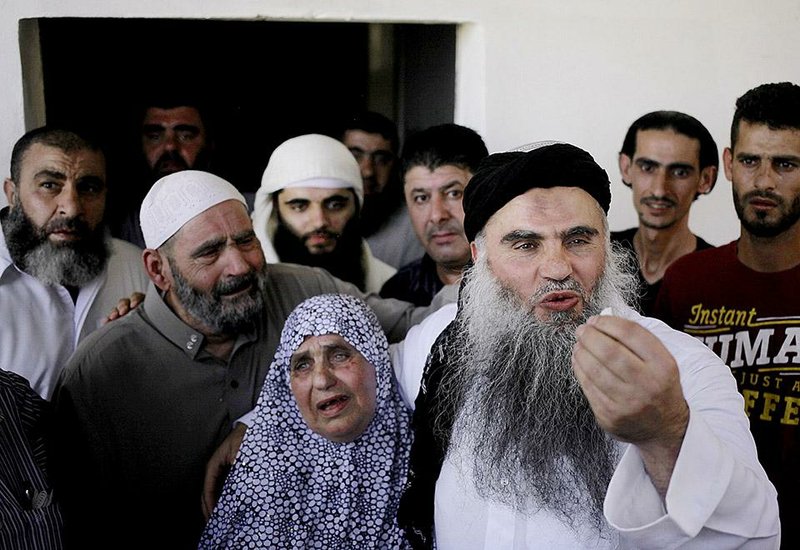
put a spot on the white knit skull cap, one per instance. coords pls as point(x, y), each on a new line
point(177, 198)
point(533, 145)
point(309, 157)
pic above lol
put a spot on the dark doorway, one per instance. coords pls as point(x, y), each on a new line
point(264, 82)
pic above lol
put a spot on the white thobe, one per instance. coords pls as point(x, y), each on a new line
point(41, 325)
point(718, 496)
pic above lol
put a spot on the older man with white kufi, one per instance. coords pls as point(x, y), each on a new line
point(143, 404)
point(147, 399)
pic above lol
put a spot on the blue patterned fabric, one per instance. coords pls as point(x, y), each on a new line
point(292, 488)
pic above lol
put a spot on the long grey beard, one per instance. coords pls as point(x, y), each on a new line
point(68, 264)
point(522, 416)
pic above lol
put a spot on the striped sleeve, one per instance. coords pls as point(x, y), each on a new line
point(29, 517)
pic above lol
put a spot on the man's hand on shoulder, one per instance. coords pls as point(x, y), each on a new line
point(633, 386)
point(218, 466)
point(125, 306)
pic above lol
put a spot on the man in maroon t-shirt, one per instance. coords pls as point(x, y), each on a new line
point(742, 299)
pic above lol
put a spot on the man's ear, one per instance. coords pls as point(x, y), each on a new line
point(625, 163)
point(708, 176)
point(727, 162)
point(10, 189)
point(157, 268)
point(473, 250)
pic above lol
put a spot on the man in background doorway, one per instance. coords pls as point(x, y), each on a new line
point(373, 140)
point(175, 135)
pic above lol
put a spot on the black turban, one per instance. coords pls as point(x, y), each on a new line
point(503, 176)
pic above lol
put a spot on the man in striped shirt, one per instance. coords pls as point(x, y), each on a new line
point(28, 516)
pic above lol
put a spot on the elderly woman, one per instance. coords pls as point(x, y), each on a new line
point(324, 463)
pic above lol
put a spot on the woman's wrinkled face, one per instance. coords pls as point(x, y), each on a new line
point(334, 386)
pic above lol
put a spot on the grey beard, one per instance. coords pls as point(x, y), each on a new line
point(521, 414)
point(69, 264)
point(219, 315)
point(54, 265)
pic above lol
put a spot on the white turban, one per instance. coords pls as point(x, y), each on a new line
point(177, 198)
point(311, 160)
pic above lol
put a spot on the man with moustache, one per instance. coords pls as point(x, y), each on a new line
point(437, 165)
point(373, 141)
point(307, 211)
point(551, 414)
point(174, 136)
point(668, 159)
point(146, 400)
point(741, 299)
point(60, 273)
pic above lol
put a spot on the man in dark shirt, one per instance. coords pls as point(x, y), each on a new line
point(437, 165)
point(29, 518)
point(668, 159)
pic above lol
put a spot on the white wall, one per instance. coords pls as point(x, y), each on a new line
point(575, 70)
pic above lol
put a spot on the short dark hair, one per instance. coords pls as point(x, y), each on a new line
point(776, 105)
point(61, 138)
point(373, 123)
point(445, 144)
point(171, 99)
point(680, 123)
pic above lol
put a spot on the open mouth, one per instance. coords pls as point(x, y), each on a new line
point(237, 292)
point(333, 405)
point(232, 287)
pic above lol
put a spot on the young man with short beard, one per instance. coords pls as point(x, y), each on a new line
point(741, 299)
point(60, 272)
point(551, 415)
point(307, 209)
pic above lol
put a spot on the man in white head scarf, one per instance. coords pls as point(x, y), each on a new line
point(307, 209)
